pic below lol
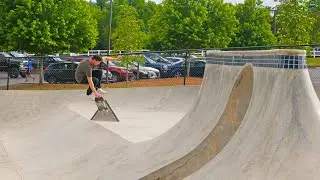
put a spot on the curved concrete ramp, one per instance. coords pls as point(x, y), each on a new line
point(147, 157)
point(223, 131)
point(279, 136)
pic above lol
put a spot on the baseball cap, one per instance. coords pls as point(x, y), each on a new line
point(97, 57)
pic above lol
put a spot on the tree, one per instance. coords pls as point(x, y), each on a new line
point(158, 29)
point(185, 19)
point(103, 28)
point(127, 35)
point(254, 28)
point(49, 26)
point(295, 25)
point(220, 26)
point(314, 10)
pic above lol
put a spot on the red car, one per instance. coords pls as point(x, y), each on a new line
point(119, 73)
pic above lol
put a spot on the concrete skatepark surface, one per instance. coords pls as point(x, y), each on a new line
point(244, 122)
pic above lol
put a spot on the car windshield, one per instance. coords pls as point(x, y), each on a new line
point(150, 60)
point(158, 58)
point(6, 55)
point(57, 59)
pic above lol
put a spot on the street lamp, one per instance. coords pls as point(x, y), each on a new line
point(109, 38)
point(110, 23)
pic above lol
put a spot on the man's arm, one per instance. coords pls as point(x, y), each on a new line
point(108, 58)
point(92, 86)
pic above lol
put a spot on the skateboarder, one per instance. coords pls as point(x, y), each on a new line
point(84, 74)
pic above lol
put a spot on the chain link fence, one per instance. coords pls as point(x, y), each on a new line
point(147, 69)
point(164, 68)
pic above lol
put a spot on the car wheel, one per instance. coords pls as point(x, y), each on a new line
point(23, 75)
point(116, 77)
point(52, 80)
point(14, 73)
point(177, 74)
point(133, 77)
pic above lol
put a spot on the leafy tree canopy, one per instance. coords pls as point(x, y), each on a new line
point(48, 26)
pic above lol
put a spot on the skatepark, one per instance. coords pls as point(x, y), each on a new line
point(255, 118)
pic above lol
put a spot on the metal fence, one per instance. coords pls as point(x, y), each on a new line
point(164, 68)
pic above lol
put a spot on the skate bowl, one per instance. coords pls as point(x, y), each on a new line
point(48, 140)
point(245, 122)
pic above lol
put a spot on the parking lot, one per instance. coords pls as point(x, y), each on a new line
point(20, 80)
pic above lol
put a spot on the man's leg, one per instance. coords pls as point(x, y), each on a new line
point(96, 83)
point(98, 74)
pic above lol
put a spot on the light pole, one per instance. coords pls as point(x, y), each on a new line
point(110, 24)
point(109, 38)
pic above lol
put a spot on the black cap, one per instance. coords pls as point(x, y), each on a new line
point(97, 57)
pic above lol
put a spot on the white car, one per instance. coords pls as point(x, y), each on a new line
point(146, 72)
point(104, 76)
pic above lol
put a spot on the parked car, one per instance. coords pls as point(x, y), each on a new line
point(157, 62)
point(14, 66)
point(47, 61)
point(197, 68)
point(61, 72)
point(175, 59)
point(118, 73)
point(64, 72)
point(107, 77)
point(144, 72)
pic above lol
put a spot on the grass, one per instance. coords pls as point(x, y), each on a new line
point(313, 61)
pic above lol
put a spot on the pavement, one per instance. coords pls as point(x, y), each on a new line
point(242, 123)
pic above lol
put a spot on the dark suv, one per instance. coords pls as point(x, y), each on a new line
point(158, 62)
point(14, 66)
point(47, 61)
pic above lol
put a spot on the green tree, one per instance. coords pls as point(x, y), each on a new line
point(185, 19)
point(103, 28)
point(158, 31)
point(127, 35)
point(180, 24)
point(314, 9)
point(254, 28)
point(220, 26)
point(49, 26)
point(294, 23)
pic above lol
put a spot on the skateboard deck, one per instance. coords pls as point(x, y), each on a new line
point(104, 109)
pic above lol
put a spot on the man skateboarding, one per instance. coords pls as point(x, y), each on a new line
point(84, 75)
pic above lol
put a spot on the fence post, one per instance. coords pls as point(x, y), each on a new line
point(138, 73)
point(127, 74)
point(8, 73)
point(185, 68)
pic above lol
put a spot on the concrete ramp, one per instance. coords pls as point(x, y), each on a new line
point(226, 126)
point(190, 139)
point(279, 136)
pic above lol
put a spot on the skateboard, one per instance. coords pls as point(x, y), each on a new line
point(103, 106)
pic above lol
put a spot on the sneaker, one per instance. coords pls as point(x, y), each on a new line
point(102, 91)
